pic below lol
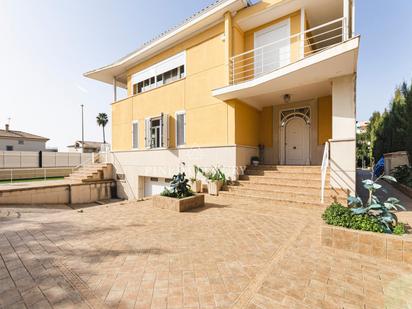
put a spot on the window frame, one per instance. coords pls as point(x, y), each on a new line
point(183, 112)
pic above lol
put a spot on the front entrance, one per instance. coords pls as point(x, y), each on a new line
point(295, 136)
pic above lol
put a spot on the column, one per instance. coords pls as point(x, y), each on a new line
point(343, 142)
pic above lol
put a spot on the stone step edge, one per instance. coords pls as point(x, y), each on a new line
point(238, 188)
point(227, 193)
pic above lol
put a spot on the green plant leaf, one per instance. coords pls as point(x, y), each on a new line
point(390, 178)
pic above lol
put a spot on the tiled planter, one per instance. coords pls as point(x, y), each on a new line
point(389, 247)
point(196, 186)
point(213, 187)
point(179, 205)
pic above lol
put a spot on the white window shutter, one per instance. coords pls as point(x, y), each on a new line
point(135, 135)
point(180, 129)
point(165, 130)
point(147, 133)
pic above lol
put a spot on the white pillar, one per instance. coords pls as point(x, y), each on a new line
point(346, 15)
point(353, 17)
point(302, 31)
point(114, 89)
point(343, 142)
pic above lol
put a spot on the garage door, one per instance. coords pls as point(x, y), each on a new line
point(154, 186)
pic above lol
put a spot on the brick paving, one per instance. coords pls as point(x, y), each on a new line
point(231, 254)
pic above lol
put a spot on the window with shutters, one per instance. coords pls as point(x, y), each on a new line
point(135, 135)
point(162, 73)
point(157, 132)
point(180, 128)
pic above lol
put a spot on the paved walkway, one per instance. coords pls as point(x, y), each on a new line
point(227, 255)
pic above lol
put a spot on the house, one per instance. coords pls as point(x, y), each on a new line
point(236, 75)
point(87, 147)
point(12, 140)
point(362, 127)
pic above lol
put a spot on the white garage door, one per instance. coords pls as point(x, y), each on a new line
point(154, 186)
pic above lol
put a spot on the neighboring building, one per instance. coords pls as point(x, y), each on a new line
point(361, 126)
point(234, 76)
point(88, 147)
point(12, 140)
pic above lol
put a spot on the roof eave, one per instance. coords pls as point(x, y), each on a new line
point(107, 73)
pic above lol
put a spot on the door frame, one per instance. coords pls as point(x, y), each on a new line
point(282, 131)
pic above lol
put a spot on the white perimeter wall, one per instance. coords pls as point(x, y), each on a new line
point(30, 159)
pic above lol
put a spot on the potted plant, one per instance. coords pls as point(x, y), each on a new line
point(215, 180)
point(255, 160)
point(196, 184)
point(179, 197)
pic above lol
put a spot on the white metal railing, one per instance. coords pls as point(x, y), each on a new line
point(270, 57)
point(324, 169)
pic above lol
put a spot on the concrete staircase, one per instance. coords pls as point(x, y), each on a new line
point(284, 185)
point(92, 173)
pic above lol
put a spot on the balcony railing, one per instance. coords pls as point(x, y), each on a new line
point(270, 57)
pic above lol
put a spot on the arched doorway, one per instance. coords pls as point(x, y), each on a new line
point(295, 136)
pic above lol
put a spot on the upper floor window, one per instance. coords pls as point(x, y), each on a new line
point(162, 73)
point(21, 142)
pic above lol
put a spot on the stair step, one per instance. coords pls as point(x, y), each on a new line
point(297, 196)
point(286, 168)
point(315, 183)
point(287, 188)
point(272, 201)
point(283, 174)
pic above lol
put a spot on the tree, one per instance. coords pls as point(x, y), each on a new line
point(102, 121)
point(392, 130)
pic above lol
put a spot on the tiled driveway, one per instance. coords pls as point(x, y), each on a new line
point(228, 255)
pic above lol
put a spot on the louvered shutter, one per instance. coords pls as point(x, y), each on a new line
point(135, 135)
point(147, 133)
point(180, 129)
point(165, 130)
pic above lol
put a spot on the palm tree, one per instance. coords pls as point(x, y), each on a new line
point(102, 120)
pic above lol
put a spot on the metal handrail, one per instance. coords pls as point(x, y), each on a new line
point(245, 62)
point(324, 169)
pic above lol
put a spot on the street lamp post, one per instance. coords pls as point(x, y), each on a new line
point(82, 128)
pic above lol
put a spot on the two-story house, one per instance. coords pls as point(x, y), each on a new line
point(279, 74)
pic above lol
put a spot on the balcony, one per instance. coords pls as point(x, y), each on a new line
point(298, 63)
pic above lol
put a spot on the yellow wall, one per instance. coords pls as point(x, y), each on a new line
point(324, 119)
point(266, 127)
point(209, 121)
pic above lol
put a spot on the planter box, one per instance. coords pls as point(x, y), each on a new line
point(179, 205)
point(213, 187)
point(386, 246)
point(196, 186)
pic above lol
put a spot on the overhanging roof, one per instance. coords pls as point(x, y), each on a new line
point(194, 24)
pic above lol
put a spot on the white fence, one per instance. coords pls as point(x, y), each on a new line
point(30, 159)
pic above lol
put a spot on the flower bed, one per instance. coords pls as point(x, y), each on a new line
point(386, 246)
point(179, 205)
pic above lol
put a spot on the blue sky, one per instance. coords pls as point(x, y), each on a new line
point(46, 46)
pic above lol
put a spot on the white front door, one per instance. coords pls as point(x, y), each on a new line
point(273, 48)
point(297, 142)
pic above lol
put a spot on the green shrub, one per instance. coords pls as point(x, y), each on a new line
point(179, 187)
point(339, 215)
point(403, 174)
point(399, 229)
